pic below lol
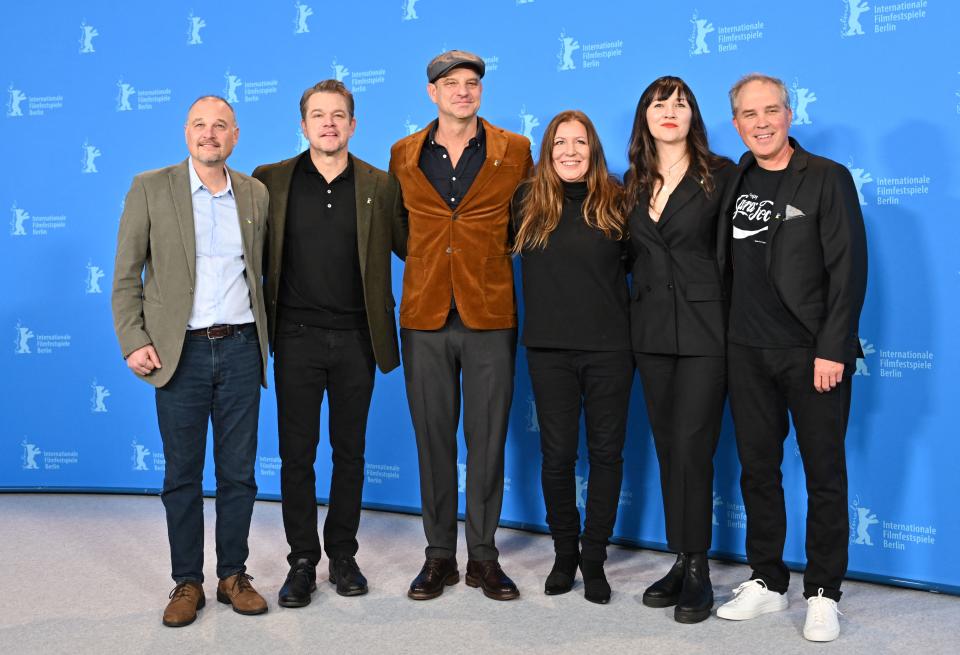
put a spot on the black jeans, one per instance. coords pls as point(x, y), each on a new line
point(434, 364)
point(309, 361)
point(218, 381)
point(766, 383)
point(684, 397)
point(564, 381)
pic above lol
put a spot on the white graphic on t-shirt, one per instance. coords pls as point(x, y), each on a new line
point(751, 209)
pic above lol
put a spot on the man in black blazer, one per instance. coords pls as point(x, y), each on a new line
point(333, 221)
point(799, 261)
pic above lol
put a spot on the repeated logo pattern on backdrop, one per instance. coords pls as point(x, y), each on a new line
point(92, 96)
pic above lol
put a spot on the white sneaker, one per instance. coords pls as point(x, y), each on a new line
point(822, 623)
point(750, 600)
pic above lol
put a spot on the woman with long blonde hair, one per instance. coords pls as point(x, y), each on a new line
point(570, 235)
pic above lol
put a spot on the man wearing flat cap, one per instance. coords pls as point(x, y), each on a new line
point(458, 317)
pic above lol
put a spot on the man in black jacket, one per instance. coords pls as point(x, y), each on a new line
point(333, 222)
point(799, 277)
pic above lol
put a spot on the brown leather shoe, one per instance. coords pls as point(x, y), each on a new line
point(237, 591)
point(488, 575)
point(185, 600)
point(436, 574)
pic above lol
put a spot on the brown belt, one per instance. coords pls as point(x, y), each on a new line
point(217, 331)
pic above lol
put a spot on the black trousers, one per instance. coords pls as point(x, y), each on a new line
point(309, 361)
point(434, 364)
point(564, 381)
point(766, 384)
point(684, 397)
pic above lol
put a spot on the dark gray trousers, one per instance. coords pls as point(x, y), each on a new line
point(437, 365)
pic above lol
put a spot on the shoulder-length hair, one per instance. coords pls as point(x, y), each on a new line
point(541, 206)
point(644, 174)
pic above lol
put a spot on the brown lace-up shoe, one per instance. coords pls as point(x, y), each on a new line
point(185, 600)
point(237, 591)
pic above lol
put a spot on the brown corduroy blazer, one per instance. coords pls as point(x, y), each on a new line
point(466, 251)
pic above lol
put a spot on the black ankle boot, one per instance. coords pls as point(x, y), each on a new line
point(666, 591)
point(596, 589)
point(696, 597)
point(561, 577)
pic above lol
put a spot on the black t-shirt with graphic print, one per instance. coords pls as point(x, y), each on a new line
point(758, 317)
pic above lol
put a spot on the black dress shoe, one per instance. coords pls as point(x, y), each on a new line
point(696, 597)
point(488, 575)
point(596, 589)
point(561, 577)
point(345, 573)
point(436, 574)
point(666, 591)
point(300, 583)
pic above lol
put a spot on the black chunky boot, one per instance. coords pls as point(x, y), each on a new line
point(596, 589)
point(666, 591)
point(561, 577)
point(696, 597)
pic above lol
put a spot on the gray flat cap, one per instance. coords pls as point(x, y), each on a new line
point(444, 63)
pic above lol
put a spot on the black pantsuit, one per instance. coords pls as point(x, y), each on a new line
point(308, 362)
point(433, 362)
point(564, 381)
point(678, 326)
point(684, 397)
point(766, 383)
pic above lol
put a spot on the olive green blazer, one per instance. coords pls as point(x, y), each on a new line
point(381, 228)
point(155, 267)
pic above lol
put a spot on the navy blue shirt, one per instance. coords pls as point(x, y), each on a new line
point(453, 183)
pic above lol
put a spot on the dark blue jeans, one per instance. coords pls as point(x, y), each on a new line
point(218, 381)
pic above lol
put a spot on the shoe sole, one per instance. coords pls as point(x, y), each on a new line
point(352, 592)
point(450, 580)
point(225, 599)
point(691, 616)
point(752, 615)
point(662, 601)
point(598, 601)
point(820, 639)
point(180, 624)
point(296, 603)
point(475, 583)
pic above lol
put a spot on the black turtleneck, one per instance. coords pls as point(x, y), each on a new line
point(575, 290)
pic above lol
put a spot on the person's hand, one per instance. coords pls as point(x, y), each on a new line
point(143, 360)
point(826, 374)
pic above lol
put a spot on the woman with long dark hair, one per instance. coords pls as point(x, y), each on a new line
point(570, 234)
point(675, 186)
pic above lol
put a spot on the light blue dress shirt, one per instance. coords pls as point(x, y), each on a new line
point(221, 295)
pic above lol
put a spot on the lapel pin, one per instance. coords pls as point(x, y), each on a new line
point(496, 162)
point(369, 201)
point(249, 221)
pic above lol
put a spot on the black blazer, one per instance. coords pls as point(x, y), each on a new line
point(816, 250)
point(679, 304)
point(381, 227)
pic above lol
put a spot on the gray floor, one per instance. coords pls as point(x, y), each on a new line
point(89, 574)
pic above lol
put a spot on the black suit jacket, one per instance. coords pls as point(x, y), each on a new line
point(816, 250)
point(381, 227)
point(678, 301)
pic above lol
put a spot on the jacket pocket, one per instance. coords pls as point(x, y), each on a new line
point(811, 310)
point(414, 281)
point(497, 285)
point(701, 291)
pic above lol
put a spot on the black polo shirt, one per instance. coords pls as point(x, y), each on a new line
point(320, 281)
point(453, 183)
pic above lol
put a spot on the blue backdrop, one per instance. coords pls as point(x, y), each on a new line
point(97, 91)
